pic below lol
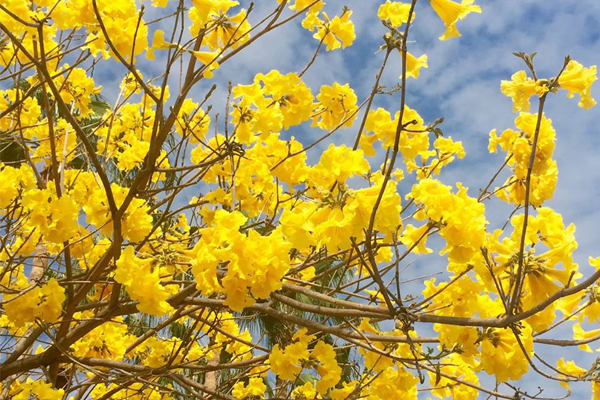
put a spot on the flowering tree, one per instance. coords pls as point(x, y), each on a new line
point(280, 278)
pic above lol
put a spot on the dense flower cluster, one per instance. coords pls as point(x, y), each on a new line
point(160, 248)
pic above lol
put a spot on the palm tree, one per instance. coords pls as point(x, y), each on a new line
point(329, 274)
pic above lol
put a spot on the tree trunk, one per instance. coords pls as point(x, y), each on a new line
point(211, 378)
point(39, 264)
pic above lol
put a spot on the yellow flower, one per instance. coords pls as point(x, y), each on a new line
point(414, 65)
point(209, 59)
point(412, 143)
point(578, 79)
point(520, 88)
point(570, 369)
point(227, 31)
point(110, 341)
point(35, 389)
point(338, 163)
point(43, 302)
point(158, 42)
point(298, 227)
point(366, 144)
point(142, 282)
point(396, 13)
point(78, 88)
point(344, 392)
point(284, 362)
point(300, 5)
point(255, 387)
point(360, 203)
point(12, 180)
point(343, 30)
point(447, 388)
point(329, 370)
point(450, 12)
point(595, 390)
point(256, 264)
point(580, 334)
point(306, 391)
point(393, 383)
point(518, 143)
point(132, 155)
point(203, 10)
point(285, 99)
point(335, 33)
point(307, 274)
point(462, 218)
point(158, 351)
point(411, 235)
point(500, 348)
point(337, 104)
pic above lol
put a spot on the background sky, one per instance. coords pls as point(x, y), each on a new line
point(462, 84)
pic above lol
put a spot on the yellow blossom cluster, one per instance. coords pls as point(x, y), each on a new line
point(223, 30)
point(518, 144)
point(127, 136)
point(395, 12)
point(108, 341)
point(19, 10)
point(288, 362)
point(575, 78)
point(136, 223)
point(460, 218)
point(333, 222)
point(337, 107)
point(458, 299)
point(458, 368)
point(135, 391)
point(413, 142)
point(244, 265)
point(272, 102)
point(251, 181)
point(334, 32)
point(124, 25)
point(155, 247)
point(37, 389)
point(501, 347)
point(43, 302)
point(255, 387)
point(140, 277)
point(28, 116)
point(13, 180)
point(394, 382)
point(547, 235)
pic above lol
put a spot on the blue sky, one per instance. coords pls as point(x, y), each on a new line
point(462, 84)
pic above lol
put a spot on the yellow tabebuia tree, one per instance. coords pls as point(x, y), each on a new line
point(154, 247)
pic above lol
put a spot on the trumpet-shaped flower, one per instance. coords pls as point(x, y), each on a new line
point(578, 79)
point(450, 12)
point(414, 64)
point(520, 88)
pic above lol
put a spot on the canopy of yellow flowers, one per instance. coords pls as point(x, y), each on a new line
point(155, 248)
